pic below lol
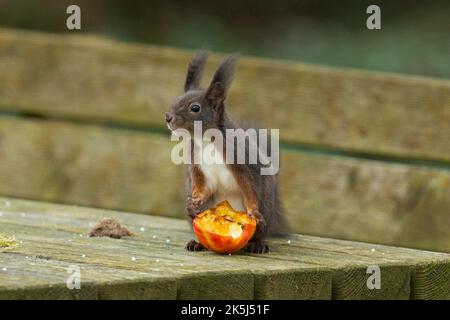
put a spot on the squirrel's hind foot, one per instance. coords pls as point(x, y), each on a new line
point(257, 246)
point(194, 246)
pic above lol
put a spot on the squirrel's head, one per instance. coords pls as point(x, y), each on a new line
point(201, 105)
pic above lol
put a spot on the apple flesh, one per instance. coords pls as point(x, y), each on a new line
point(222, 229)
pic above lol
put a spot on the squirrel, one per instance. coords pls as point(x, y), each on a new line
point(207, 184)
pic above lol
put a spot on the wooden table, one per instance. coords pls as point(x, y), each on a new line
point(153, 264)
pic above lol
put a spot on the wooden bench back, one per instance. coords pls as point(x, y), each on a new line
point(365, 156)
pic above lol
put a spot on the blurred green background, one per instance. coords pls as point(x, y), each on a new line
point(414, 38)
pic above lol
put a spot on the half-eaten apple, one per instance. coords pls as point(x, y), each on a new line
point(223, 229)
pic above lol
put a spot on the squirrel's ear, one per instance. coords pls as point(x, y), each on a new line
point(215, 94)
point(224, 72)
point(195, 70)
point(221, 80)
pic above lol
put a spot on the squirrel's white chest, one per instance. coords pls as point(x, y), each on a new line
point(219, 179)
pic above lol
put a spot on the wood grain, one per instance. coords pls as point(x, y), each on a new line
point(197, 275)
point(94, 79)
point(306, 267)
point(120, 169)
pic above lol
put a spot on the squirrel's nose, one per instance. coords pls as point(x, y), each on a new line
point(169, 117)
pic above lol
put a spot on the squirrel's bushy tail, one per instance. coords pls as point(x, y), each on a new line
point(279, 226)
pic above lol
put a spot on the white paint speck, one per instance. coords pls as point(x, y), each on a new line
point(83, 255)
point(229, 254)
point(289, 241)
point(81, 236)
point(23, 214)
point(154, 237)
point(133, 258)
point(7, 203)
point(142, 229)
point(4, 269)
point(181, 264)
point(373, 250)
point(157, 260)
point(168, 240)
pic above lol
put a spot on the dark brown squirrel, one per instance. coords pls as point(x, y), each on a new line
point(241, 184)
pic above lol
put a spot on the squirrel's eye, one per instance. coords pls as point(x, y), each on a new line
point(195, 107)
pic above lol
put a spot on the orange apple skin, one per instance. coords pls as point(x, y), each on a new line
point(223, 244)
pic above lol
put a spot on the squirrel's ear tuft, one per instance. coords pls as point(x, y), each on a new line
point(221, 81)
point(195, 70)
point(224, 73)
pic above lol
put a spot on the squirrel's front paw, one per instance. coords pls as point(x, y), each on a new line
point(261, 224)
point(193, 205)
point(197, 201)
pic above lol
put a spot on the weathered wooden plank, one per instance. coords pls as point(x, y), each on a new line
point(367, 201)
point(53, 232)
point(291, 284)
point(430, 279)
point(216, 277)
point(33, 278)
point(121, 169)
point(56, 162)
point(96, 79)
point(344, 289)
point(38, 277)
point(350, 280)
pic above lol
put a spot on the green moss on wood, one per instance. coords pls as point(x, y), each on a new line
point(7, 242)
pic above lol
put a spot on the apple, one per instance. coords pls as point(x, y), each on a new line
point(222, 229)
